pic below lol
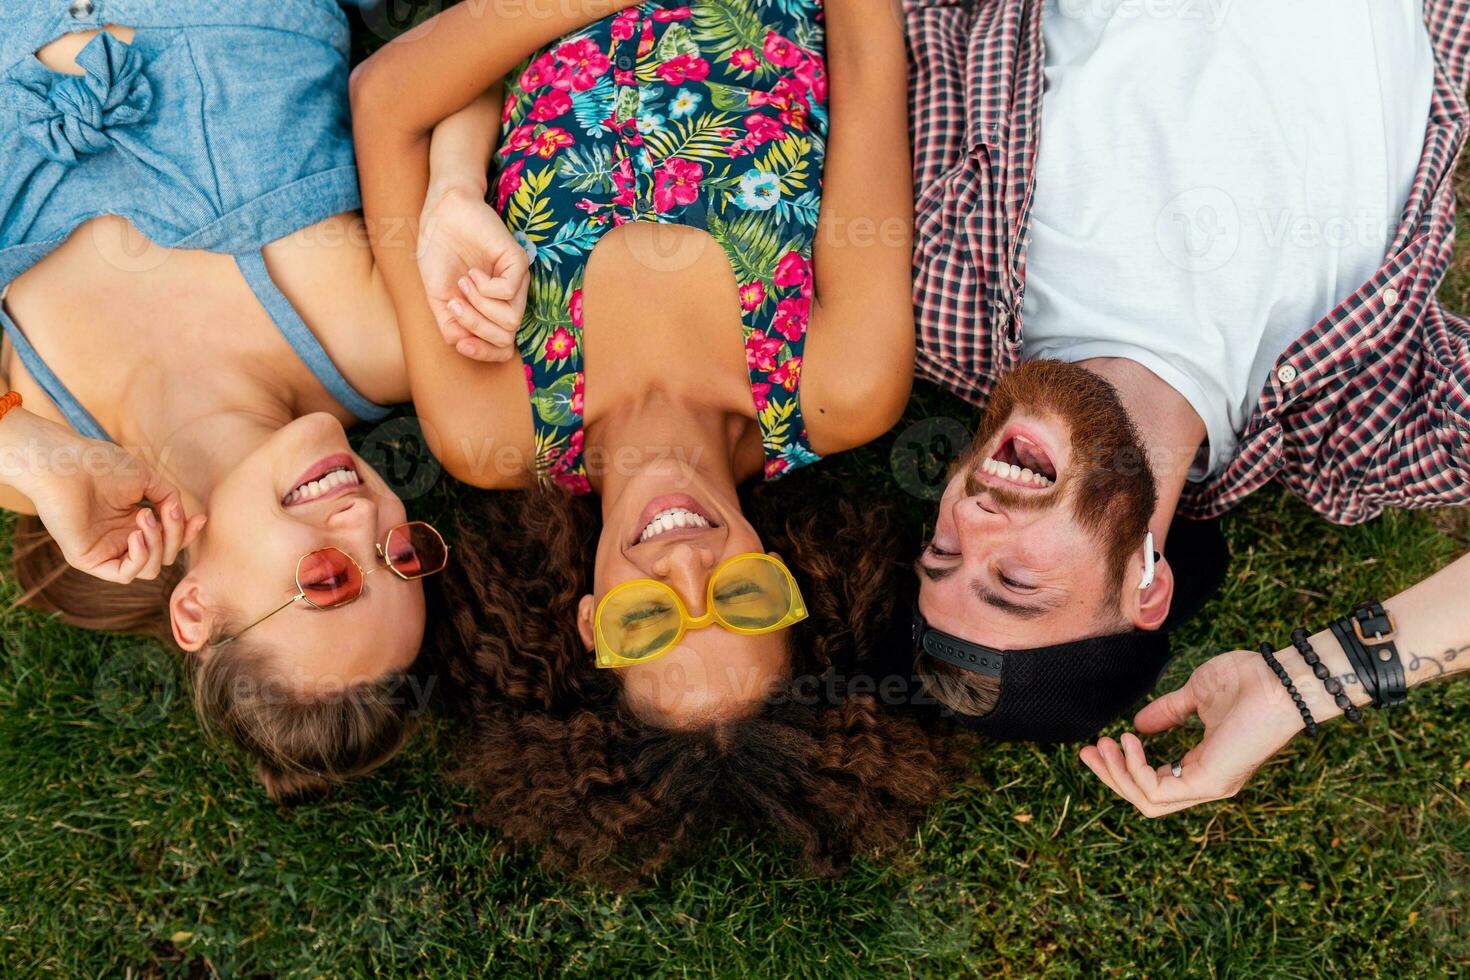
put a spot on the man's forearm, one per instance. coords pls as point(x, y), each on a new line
point(1433, 619)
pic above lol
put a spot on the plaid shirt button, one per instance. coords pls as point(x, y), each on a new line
point(1390, 298)
point(1286, 374)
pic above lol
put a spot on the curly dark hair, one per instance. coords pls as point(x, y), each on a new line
point(559, 763)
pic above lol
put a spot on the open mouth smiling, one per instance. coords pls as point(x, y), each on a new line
point(1021, 462)
point(673, 516)
point(332, 477)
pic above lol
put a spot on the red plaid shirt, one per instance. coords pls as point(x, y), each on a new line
point(1369, 408)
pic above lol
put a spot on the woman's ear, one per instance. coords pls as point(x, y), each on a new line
point(586, 612)
point(188, 616)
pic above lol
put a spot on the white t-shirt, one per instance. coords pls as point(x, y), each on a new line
point(1213, 178)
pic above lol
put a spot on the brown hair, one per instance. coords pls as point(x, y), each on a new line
point(302, 746)
point(559, 763)
point(1114, 498)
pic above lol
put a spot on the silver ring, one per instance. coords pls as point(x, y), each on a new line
point(1177, 769)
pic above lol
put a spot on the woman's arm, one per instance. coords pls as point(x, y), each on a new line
point(1248, 714)
point(475, 415)
point(475, 273)
point(860, 355)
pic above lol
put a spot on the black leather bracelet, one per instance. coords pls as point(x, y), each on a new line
point(1296, 696)
point(1303, 644)
point(1357, 656)
point(1368, 634)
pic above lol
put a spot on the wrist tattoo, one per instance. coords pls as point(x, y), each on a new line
point(1449, 656)
point(1348, 678)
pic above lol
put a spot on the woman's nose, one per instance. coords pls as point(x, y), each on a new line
point(355, 517)
point(686, 568)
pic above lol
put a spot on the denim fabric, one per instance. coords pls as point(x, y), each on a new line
point(222, 127)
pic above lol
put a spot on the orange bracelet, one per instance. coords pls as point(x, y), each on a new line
point(11, 399)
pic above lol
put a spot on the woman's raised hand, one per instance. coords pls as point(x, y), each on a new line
point(113, 515)
point(475, 274)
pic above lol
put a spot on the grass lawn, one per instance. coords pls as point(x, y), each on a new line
point(128, 843)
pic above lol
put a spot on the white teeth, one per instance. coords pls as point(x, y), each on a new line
point(1010, 471)
point(668, 520)
point(342, 476)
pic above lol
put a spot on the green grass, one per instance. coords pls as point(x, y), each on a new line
point(128, 843)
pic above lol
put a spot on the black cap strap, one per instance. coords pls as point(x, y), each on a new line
point(962, 653)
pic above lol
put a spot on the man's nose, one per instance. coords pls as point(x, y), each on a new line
point(686, 567)
point(979, 514)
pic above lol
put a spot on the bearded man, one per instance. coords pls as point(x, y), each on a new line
point(1222, 226)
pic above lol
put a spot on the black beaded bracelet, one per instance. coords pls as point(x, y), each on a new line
point(1296, 696)
point(1303, 644)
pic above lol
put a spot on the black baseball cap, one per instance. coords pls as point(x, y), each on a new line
point(1068, 692)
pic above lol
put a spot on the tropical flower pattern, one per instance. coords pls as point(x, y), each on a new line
point(710, 114)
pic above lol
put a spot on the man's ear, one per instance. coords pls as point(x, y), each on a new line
point(189, 616)
point(1148, 608)
point(586, 610)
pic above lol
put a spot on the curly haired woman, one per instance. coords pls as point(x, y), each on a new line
point(700, 281)
point(565, 761)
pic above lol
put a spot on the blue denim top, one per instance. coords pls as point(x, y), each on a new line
point(222, 127)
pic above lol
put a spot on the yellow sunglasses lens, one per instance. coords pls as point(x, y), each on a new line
point(752, 593)
point(639, 620)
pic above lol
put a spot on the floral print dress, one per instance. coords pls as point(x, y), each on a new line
point(711, 115)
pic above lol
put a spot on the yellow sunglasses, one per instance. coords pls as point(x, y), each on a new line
point(644, 619)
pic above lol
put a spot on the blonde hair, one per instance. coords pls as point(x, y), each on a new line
point(301, 746)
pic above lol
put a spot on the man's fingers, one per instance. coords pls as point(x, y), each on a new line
point(1093, 760)
point(1194, 784)
point(1165, 712)
point(1111, 756)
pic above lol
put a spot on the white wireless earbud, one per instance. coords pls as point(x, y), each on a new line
point(1148, 561)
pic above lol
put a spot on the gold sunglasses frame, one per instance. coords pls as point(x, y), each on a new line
point(381, 551)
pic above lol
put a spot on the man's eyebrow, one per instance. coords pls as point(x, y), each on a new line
point(932, 572)
point(1015, 608)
